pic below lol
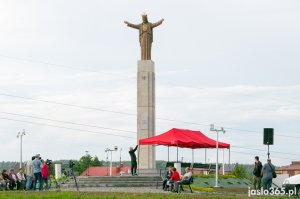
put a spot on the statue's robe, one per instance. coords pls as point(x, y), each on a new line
point(145, 37)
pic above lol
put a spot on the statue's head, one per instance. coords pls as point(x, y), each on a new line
point(144, 16)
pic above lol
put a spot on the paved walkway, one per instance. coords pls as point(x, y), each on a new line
point(122, 189)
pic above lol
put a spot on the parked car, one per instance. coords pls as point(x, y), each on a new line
point(292, 183)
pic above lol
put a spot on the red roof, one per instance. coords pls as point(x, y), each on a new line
point(294, 166)
point(104, 171)
point(183, 138)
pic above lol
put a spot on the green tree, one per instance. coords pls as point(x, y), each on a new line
point(85, 162)
point(96, 162)
point(239, 171)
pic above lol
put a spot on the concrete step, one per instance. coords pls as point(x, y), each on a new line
point(108, 179)
point(148, 172)
point(112, 181)
point(132, 181)
point(67, 186)
point(123, 177)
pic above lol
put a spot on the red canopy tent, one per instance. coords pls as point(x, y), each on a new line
point(183, 138)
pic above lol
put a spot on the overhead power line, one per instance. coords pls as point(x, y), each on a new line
point(96, 132)
point(66, 104)
point(48, 63)
point(132, 114)
point(62, 127)
point(101, 127)
point(107, 73)
point(254, 154)
point(66, 122)
point(257, 149)
point(85, 69)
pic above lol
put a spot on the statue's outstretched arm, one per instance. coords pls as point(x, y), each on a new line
point(157, 23)
point(131, 25)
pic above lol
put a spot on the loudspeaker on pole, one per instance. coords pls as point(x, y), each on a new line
point(268, 136)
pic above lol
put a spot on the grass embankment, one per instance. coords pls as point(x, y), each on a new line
point(226, 181)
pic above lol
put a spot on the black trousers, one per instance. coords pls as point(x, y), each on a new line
point(165, 183)
point(12, 185)
point(133, 167)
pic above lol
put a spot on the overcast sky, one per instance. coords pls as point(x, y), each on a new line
point(232, 63)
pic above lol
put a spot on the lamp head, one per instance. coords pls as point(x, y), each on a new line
point(212, 127)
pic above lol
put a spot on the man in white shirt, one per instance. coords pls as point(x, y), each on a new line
point(183, 179)
point(29, 174)
point(187, 175)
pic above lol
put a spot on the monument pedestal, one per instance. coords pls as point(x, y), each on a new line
point(146, 113)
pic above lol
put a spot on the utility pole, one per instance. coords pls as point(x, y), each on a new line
point(20, 135)
point(87, 156)
point(212, 128)
point(120, 156)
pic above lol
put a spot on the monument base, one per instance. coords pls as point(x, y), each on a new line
point(148, 172)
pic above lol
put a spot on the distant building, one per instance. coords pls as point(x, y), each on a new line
point(291, 169)
point(104, 171)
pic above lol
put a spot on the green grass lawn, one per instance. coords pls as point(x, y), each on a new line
point(88, 195)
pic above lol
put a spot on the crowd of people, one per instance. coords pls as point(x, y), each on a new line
point(35, 171)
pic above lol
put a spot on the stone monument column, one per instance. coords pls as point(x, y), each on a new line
point(146, 112)
point(145, 93)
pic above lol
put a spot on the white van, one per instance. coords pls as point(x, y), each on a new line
point(292, 183)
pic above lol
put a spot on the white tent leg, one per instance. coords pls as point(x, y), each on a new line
point(223, 170)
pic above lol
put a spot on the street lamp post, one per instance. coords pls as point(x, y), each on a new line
point(111, 150)
point(120, 156)
point(87, 156)
point(20, 135)
point(212, 128)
